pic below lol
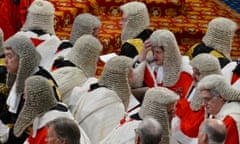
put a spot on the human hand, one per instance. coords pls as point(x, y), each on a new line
point(147, 45)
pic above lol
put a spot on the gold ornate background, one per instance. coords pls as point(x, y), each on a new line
point(187, 19)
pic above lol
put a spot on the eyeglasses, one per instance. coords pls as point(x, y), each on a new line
point(209, 99)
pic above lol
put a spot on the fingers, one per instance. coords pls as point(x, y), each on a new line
point(147, 44)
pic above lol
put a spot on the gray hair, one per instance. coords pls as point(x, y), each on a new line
point(150, 131)
point(215, 130)
point(213, 92)
point(219, 84)
point(67, 129)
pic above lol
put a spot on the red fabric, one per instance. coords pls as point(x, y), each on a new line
point(155, 74)
point(232, 131)
point(36, 41)
point(40, 138)
point(57, 51)
point(9, 22)
point(23, 6)
point(235, 77)
point(148, 79)
point(12, 16)
point(189, 27)
point(54, 68)
point(181, 87)
point(190, 120)
point(124, 120)
point(183, 84)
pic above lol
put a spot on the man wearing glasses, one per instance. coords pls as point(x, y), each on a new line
point(221, 102)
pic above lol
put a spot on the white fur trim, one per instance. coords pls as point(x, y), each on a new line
point(230, 109)
point(186, 65)
point(62, 53)
point(236, 84)
point(152, 75)
point(77, 92)
point(36, 122)
point(51, 115)
point(67, 78)
point(178, 134)
point(123, 134)
point(133, 102)
point(47, 48)
point(31, 34)
point(84, 139)
point(227, 71)
point(191, 95)
point(87, 100)
point(98, 112)
point(160, 74)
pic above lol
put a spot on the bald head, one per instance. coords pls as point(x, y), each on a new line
point(212, 131)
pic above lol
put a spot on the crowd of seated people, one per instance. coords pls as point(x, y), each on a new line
point(148, 93)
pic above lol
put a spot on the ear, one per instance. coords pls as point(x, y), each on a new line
point(222, 99)
point(202, 138)
point(63, 141)
point(137, 139)
point(205, 138)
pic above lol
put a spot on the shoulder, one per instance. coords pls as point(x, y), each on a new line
point(186, 67)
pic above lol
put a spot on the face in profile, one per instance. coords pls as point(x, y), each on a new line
point(195, 75)
point(123, 21)
point(130, 75)
point(213, 104)
point(95, 32)
point(11, 60)
point(171, 111)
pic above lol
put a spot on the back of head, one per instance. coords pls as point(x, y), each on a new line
point(150, 131)
point(115, 76)
point(155, 105)
point(215, 131)
point(39, 99)
point(206, 65)
point(137, 19)
point(29, 58)
point(220, 34)
point(84, 23)
point(218, 84)
point(66, 129)
point(172, 56)
point(85, 53)
point(40, 17)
